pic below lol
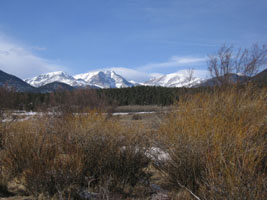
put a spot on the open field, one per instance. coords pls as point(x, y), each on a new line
point(143, 108)
point(208, 146)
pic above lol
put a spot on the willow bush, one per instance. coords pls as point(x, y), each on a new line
point(64, 155)
point(216, 143)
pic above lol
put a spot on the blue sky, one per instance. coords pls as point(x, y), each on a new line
point(136, 38)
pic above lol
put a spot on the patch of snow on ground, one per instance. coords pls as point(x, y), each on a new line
point(157, 154)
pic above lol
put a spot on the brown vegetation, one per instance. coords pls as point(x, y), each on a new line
point(217, 145)
point(62, 156)
point(214, 146)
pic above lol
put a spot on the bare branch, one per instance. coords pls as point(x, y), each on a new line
point(247, 62)
point(189, 74)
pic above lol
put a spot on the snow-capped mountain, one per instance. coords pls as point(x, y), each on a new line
point(51, 77)
point(173, 80)
point(135, 83)
point(99, 79)
point(104, 79)
point(55, 86)
point(110, 79)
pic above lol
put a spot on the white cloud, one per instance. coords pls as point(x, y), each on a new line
point(156, 75)
point(146, 72)
point(20, 61)
point(37, 48)
point(140, 76)
point(175, 61)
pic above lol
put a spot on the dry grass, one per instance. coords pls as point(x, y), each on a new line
point(217, 145)
point(145, 108)
point(60, 156)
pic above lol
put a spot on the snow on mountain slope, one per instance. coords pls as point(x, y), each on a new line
point(136, 83)
point(51, 77)
point(110, 79)
point(86, 76)
point(104, 79)
point(173, 80)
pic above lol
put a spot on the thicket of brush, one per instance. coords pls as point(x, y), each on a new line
point(217, 145)
point(65, 156)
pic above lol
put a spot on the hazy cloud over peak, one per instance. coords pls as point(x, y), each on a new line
point(20, 61)
point(175, 61)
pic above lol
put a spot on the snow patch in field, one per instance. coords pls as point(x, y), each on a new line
point(135, 113)
point(157, 154)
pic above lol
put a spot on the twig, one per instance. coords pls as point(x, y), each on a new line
point(195, 196)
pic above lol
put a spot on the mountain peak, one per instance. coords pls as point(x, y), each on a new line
point(58, 76)
point(100, 79)
point(56, 73)
point(14, 82)
point(104, 79)
point(110, 79)
point(173, 80)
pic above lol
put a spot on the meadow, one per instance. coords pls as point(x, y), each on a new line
point(208, 145)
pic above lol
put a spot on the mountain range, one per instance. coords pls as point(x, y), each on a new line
point(174, 80)
point(99, 79)
point(260, 78)
point(10, 81)
point(231, 78)
point(52, 81)
point(110, 79)
point(51, 77)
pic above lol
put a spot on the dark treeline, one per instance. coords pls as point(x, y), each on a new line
point(63, 100)
point(146, 95)
point(93, 98)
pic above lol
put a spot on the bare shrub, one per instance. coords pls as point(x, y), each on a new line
point(35, 156)
point(6, 98)
point(113, 154)
point(216, 144)
point(62, 156)
point(136, 117)
point(76, 101)
point(226, 61)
